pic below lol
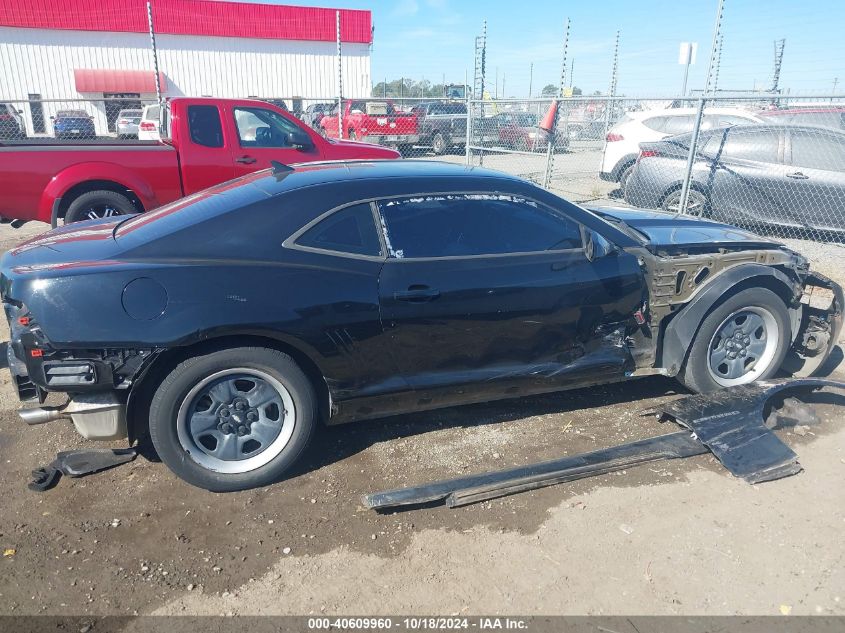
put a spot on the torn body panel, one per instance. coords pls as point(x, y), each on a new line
point(683, 289)
point(728, 423)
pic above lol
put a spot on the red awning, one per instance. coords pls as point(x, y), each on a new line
point(105, 80)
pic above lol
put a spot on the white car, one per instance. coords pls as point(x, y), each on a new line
point(624, 138)
point(148, 128)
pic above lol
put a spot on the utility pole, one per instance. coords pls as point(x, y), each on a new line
point(504, 94)
point(572, 73)
point(779, 46)
point(563, 61)
point(496, 89)
point(835, 81)
point(718, 64)
point(530, 79)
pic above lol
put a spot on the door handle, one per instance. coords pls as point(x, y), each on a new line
point(416, 294)
point(246, 160)
point(797, 176)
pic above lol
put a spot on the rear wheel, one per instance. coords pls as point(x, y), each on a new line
point(233, 419)
point(98, 204)
point(696, 202)
point(438, 144)
point(742, 340)
point(353, 136)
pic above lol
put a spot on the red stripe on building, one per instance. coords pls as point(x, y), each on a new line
point(191, 17)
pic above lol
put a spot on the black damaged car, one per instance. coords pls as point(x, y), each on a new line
point(229, 325)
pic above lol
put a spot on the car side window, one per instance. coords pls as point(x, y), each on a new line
point(258, 127)
point(655, 123)
point(467, 225)
point(745, 145)
point(350, 230)
point(818, 150)
point(204, 125)
point(678, 124)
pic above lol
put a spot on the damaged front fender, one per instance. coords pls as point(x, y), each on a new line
point(821, 317)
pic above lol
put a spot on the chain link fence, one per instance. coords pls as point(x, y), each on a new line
point(769, 162)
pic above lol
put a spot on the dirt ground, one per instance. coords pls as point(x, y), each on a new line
point(676, 537)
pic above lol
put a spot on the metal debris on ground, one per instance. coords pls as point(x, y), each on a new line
point(78, 464)
point(729, 423)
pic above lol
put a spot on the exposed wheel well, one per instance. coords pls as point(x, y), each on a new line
point(758, 281)
point(144, 389)
point(96, 185)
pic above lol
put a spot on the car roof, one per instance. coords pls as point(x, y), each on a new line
point(802, 111)
point(647, 114)
point(317, 173)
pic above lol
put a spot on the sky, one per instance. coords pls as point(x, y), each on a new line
point(433, 39)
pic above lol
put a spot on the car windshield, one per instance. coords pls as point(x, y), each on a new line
point(131, 114)
point(71, 114)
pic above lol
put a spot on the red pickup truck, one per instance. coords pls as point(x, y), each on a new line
point(375, 122)
point(206, 142)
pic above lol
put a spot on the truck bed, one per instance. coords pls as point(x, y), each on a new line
point(31, 169)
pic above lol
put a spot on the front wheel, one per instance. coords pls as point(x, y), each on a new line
point(234, 418)
point(742, 340)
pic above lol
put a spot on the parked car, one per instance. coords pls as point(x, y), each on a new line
point(229, 325)
point(127, 122)
point(442, 125)
point(770, 174)
point(11, 122)
point(623, 140)
point(521, 131)
point(832, 117)
point(208, 141)
point(314, 113)
point(148, 127)
point(74, 124)
point(373, 122)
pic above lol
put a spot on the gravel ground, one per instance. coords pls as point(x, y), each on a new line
point(675, 537)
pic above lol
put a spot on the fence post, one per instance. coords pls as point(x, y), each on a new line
point(693, 148)
point(468, 130)
point(550, 151)
point(339, 77)
point(155, 66)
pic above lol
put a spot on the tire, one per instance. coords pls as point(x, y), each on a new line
point(438, 144)
point(709, 366)
point(98, 204)
point(697, 202)
point(624, 177)
point(262, 441)
point(352, 135)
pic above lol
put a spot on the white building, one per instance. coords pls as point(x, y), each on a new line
point(54, 52)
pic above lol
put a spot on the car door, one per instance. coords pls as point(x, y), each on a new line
point(204, 155)
point(488, 296)
point(816, 177)
point(744, 176)
point(264, 135)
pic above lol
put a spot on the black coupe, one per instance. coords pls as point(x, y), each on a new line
point(229, 324)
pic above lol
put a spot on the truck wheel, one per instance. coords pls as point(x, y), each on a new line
point(353, 136)
point(742, 340)
point(234, 418)
point(438, 144)
point(98, 204)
